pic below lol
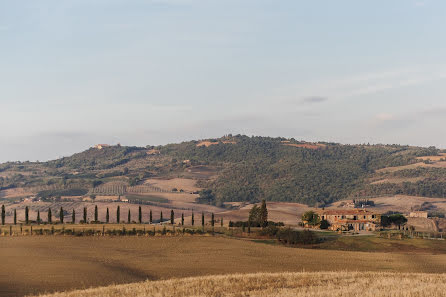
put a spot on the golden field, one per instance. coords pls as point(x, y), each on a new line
point(38, 264)
point(329, 284)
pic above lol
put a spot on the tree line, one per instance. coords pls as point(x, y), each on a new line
point(62, 213)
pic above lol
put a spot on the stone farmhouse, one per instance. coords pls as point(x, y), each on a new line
point(351, 219)
point(418, 214)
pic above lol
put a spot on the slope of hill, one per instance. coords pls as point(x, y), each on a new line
point(329, 284)
point(241, 168)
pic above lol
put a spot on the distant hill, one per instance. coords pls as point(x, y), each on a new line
point(242, 168)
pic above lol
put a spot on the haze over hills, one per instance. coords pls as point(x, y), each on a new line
point(242, 168)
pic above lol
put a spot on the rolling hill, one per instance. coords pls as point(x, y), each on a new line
point(237, 169)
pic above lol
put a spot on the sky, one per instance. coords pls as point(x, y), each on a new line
point(75, 73)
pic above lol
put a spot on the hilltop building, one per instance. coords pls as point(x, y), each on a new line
point(418, 214)
point(350, 219)
point(101, 146)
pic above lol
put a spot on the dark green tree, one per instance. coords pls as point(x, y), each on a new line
point(140, 215)
point(26, 215)
point(150, 217)
point(263, 215)
point(118, 214)
point(324, 224)
point(96, 214)
point(193, 220)
point(311, 218)
point(202, 220)
point(221, 222)
point(107, 216)
point(85, 215)
point(161, 217)
point(61, 215)
point(38, 217)
point(3, 214)
point(73, 217)
point(50, 216)
point(172, 217)
point(15, 217)
point(212, 220)
point(129, 219)
point(182, 219)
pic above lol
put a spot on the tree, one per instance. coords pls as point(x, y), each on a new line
point(172, 217)
point(95, 213)
point(73, 217)
point(61, 215)
point(182, 219)
point(15, 217)
point(118, 214)
point(85, 215)
point(254, 215)
point(3, 214)
point(107, 216)
point(38, 217)
point(161, 217)
point(311, 218)
point(129, 217)
point(202, 220)
point(263, 214)
point(324, 224)
point(150, 217)
point(50, 216)
point(140, 215)
point(193, 221)
point(221, 222)
point(212, 219)
point(26, 215)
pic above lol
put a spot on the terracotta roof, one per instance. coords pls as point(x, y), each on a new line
point(345, 212)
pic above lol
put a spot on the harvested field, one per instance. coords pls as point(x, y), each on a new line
point(433, 158)
point(188, 185)
point(311, 146)
point(289, 213)
point(66, 263)
point(329, 284)
point(402, 203)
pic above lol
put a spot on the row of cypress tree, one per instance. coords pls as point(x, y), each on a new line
point(107, 216)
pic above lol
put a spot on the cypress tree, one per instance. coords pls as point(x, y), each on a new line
point(202, 220)
point(3, 214)
point(150, 217)
point(172, 217)
point(38, 217)
point(193, 221)
point(73, 217)
point(118, 214)
point(96, 213)
point(161, 217)
point(129, 218)
point(182, 219)
point(50, 216)
point(85, 215)
point(26, 215)
point(221, 222)
point(15, 217)
point(61, 215)
point(140, 214)
point(263, 214)
point(107, 217)
point(212, 220)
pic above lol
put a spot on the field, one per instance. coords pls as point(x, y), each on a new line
point(35, 264)
point(329, 284)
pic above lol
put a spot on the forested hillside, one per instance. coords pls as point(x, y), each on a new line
point(242, 168)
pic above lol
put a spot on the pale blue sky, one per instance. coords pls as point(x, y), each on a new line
point(76, 73)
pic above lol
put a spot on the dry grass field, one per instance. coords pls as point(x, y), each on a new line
point(37, 264)
point(402, 203)
point(329, 284)
point(187, 185)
